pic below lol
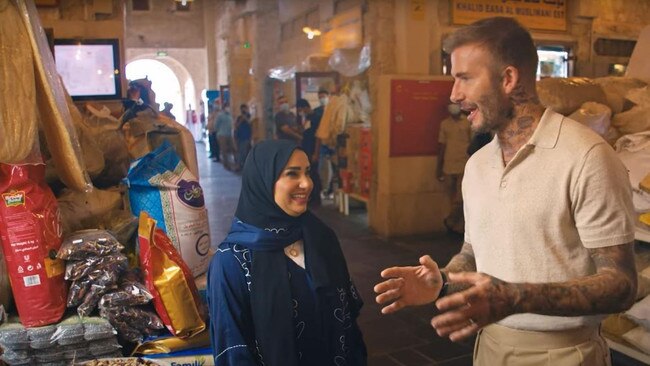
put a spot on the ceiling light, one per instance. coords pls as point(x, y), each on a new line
point(311, 33)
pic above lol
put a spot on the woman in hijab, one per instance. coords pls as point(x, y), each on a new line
point(279, 290)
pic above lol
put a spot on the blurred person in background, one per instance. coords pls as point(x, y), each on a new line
point(311, 146)
point(453, 139)
point(286, 124)
point(213, 112)
point(243, 134)
point(223, 126)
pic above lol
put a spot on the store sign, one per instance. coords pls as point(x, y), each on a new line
point(534, 14)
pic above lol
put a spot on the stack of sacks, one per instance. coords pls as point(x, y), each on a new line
point(73, 339)
point(627, 99)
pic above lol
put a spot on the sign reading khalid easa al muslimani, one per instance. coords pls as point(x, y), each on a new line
point(534, 14)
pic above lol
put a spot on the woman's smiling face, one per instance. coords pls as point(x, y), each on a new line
point(294, 185)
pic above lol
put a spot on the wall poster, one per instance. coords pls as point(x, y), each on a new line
point(416, 109)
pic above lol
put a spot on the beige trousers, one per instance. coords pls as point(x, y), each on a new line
point(498, 345)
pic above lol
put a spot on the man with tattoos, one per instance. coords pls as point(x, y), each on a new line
point(549, 229)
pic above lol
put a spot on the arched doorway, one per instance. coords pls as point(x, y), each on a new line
point(163, 82)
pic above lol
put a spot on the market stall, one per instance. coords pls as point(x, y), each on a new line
point(103, 228)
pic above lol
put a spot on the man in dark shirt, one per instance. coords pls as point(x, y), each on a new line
point(243, 135)
point(286, 125)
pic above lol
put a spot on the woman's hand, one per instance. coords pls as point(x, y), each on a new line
point(408, 286)
point(486, 301)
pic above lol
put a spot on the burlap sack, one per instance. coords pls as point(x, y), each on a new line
point(104, 131)
point(18, 117)
point(82, 210)
point(615, 89)
point(639, 96)
point(635, 120)
point(565, 95)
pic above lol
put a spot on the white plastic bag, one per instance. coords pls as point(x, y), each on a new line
point(595, 116)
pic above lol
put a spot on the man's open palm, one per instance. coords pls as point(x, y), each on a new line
point(408, 286)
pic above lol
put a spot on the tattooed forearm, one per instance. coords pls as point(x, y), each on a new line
point(461, 262)
point(612, 289)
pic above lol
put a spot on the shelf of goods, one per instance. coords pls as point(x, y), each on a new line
point(355, 164)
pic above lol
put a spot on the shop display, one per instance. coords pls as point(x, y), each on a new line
point(170, 281)
point(30, 235)
point(161, 185)
point(75, 148)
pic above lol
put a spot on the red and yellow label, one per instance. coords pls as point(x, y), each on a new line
point(14, 198)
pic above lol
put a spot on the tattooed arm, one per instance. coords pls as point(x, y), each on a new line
point(611, 289)
point(487, 300)
point(461, 262)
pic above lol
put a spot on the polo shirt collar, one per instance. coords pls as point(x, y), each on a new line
point(545, 136)
point(547, 132)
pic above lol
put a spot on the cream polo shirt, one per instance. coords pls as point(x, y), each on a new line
point(533, 220)
point(455, 134)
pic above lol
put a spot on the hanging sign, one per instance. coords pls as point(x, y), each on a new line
point(534, 14)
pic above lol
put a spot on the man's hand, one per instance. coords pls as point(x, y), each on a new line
point(486, 301)
point(408, 286)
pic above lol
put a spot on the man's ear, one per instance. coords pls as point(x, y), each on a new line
point(510, 79)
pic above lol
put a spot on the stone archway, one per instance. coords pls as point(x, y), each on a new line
point(164, 83)
point(186, 86)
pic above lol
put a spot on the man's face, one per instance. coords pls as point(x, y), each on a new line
point(477, 88)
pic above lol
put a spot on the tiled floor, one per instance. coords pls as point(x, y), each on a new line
point(402, 339)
